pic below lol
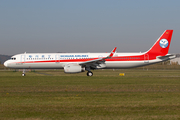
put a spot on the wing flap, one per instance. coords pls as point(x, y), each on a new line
point(91, 61)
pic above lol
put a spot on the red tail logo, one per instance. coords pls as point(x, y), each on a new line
point(161, 46)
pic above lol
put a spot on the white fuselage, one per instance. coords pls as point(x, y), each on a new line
point(59, 60)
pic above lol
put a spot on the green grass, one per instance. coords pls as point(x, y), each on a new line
point(139, 95)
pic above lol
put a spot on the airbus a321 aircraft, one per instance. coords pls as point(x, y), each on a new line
point(80, 62)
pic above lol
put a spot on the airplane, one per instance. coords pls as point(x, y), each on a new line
point(81, 62)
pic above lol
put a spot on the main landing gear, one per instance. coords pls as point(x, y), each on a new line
point(89, 73)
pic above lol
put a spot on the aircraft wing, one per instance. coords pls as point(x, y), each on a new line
point(96, 62)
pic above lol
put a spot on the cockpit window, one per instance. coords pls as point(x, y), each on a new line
point(13, 58)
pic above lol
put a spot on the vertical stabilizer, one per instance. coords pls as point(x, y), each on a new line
point(161, 46)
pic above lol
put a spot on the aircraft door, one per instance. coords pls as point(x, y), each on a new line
point(23, 58)
point(57, 58)
point(146, 58)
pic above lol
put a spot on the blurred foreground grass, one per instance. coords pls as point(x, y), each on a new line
point(51, 94)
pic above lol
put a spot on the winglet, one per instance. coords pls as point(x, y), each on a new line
point(100, 59)
point(112, 52)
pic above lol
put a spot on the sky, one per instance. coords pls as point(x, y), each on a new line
point(36, 26)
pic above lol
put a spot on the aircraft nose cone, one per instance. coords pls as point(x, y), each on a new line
point(6, 64)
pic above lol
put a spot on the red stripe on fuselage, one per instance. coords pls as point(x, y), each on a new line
point(113, 59)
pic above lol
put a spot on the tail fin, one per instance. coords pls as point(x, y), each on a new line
point(161, 46)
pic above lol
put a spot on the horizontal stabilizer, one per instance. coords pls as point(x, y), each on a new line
point(169, 56)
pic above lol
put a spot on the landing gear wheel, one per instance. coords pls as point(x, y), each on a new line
point(23, 74)
point(89, 73)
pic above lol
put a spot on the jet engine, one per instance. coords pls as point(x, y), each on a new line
point(73, 68)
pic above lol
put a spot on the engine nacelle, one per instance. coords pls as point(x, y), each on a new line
point(73, 68)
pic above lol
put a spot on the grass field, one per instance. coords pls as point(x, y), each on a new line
point(139, 95)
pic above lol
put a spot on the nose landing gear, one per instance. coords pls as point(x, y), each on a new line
point(24, 71)
point(23, 74)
